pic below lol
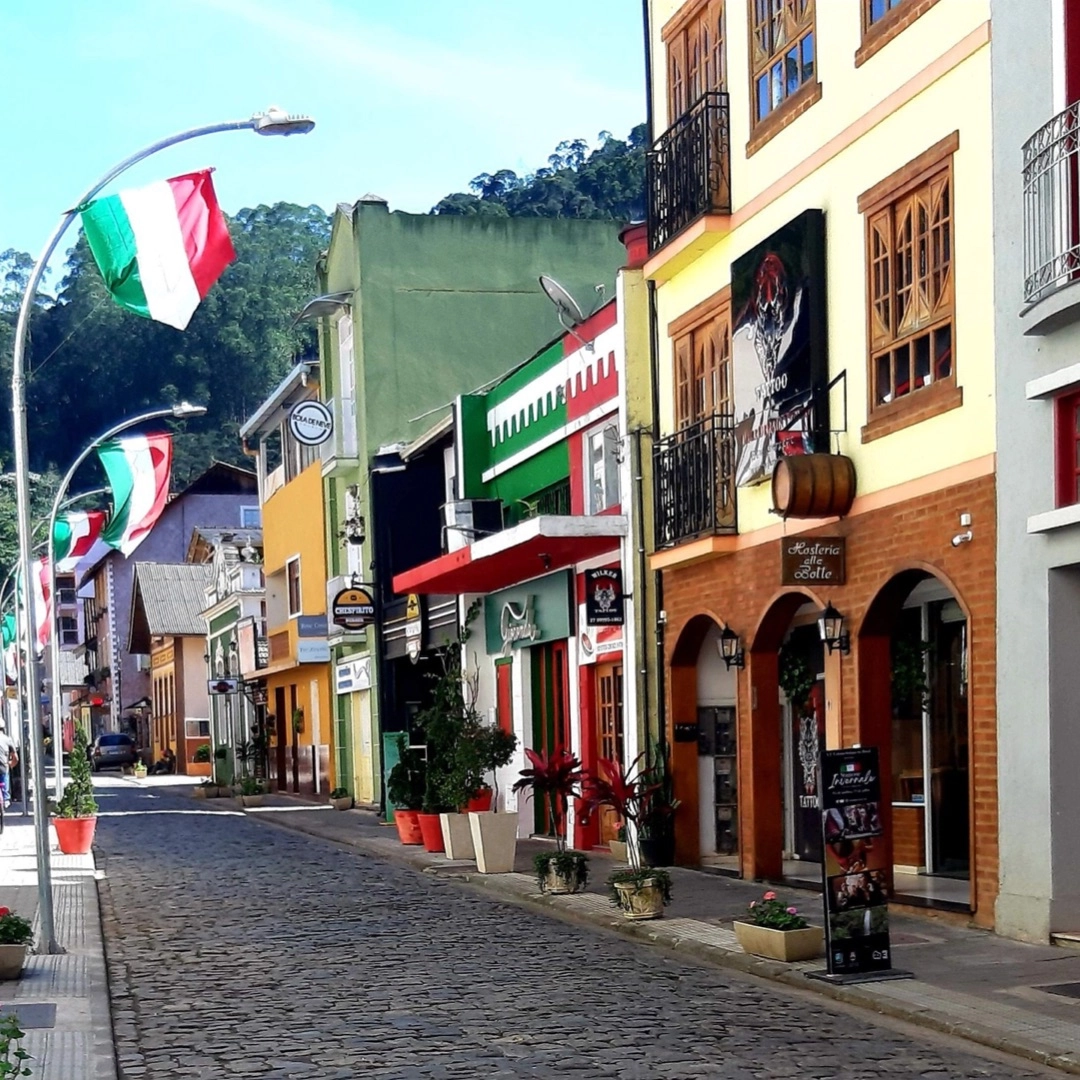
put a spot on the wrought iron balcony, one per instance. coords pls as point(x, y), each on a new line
point(1052, 206)
point(688, 169)
point(694, 482)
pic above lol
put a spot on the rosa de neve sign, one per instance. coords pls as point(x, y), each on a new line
point(311, 423)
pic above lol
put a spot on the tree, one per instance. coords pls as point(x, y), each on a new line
point(605, 183)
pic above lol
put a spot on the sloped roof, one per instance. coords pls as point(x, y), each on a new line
point(167, 601)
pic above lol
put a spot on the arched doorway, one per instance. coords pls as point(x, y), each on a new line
point(703, 694)
point(913, 654)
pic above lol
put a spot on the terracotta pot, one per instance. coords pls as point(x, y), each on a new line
point(644, 901)
point(494, 841)
point(408, 828)
point(12, 958)
point(785, 945)
point(480, 803)
point(431, 831)
point(457, 836)
point(75, 835)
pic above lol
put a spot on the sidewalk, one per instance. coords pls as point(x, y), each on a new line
point(1022, 999)
point(62, 1001)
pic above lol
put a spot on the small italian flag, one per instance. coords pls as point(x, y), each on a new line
point(138, 467)
point(42, 600)
point(852, 766)
point(75, 536)
point(160, 248)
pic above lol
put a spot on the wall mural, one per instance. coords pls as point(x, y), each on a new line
point(778, 348)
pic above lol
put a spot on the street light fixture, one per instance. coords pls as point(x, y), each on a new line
point(731, 651)
point(833, 631)
point(272, 121)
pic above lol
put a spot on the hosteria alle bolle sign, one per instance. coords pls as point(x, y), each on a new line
point(856, 874)
point(812, 560)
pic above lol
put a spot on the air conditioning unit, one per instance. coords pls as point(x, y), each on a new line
point(468, 520)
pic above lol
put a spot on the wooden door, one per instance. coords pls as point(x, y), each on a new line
point(294, 751)
point(551, 712)
point(282, 737)
point(609, 734)
point(504, 694)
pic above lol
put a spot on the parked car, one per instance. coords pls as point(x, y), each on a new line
point(112, 750)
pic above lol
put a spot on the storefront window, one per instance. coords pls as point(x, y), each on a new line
point(909, 690)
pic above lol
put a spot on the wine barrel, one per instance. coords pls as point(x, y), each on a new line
point(813, 485)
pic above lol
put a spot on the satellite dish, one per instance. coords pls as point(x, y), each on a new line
point(570, 314)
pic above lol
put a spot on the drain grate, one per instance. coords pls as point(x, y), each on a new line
point(1069, 990)
point(35, 1015)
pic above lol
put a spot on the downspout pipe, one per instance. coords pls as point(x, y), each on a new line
point(658, 577)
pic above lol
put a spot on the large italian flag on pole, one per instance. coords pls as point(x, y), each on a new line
point(160, 248)
point(138, 468)
point(76, 535)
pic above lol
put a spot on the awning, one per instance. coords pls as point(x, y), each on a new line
point(534, 547)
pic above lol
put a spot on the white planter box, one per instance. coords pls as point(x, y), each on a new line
point(494, 841)
point(457, 836)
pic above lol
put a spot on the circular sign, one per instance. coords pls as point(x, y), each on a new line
point(353, 609)
point(311, 423)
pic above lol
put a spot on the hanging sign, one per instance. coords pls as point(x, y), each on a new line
point(855, 870)
point(352, 675)
point(815, 560)
point(222, 686)
point(414, 627)
point(604, 597)
point(353, 608)
point(311, 423)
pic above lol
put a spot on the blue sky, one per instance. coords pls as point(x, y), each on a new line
point(412, 97)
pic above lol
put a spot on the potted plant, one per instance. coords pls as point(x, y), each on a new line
point(405, 790)
point(251, 791)
point(76, 812)
point(777, 931)
point(340, 799)
point(223, 774)
point(202, 754)
point(205, 790)
point(556, 778)
point(641, 892)
point(139, 769)
point(13, 1057)
point(16, 938)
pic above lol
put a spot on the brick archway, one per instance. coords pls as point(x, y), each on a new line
point(684, 755)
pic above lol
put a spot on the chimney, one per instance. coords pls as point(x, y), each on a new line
point(635, 237)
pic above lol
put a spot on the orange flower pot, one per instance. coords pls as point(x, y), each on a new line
point(480, 803)
point(408, 829)
point(431, 830)
point(75, 835)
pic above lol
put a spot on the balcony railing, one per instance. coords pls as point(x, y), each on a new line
point(551, 500)
point(1052, 205)
point(688, 170)
point(694, 482)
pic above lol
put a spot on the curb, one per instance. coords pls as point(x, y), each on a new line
point(653, 933)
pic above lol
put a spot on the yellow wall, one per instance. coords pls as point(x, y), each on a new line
point(955, 98)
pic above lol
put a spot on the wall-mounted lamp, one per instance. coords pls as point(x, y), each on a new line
point(730, 648)
point(833, 632)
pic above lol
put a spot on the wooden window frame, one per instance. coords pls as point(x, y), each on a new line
point(682, 331)
point(765, 128)
point(676, 35)
point(289, 564)
point(1067, 448)
point(941, 395)
point(875, 36)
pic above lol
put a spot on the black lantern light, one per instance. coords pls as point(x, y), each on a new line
point(833, 632)
point(730, 648)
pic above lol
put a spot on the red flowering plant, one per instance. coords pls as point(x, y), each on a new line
point(556, 778)
point(14, 929)
point(774, 913)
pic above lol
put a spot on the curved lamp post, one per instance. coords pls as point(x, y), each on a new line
point(272, 121)
point(183, 411)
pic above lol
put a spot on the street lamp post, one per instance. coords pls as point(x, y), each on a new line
point(271, 122)
point(183, 411)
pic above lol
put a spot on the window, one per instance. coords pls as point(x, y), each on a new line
point(602, 468)
point(197, 729)
point(882, 20)
point(782, 53)
point(1067, 423)
point(909, 260)
point(345, 356)
point(292, 572)
point(695, 56)
point(69, 630)
point(876, 10)
point(702, 340)
point(250, 517)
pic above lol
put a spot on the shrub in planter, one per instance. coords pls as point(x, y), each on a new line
point(640, 892)
point(405, 790)
point(340, 799)
point(76, 812)
point(251, 791)
point(16, 938)
point(561, 871)
point(776, 930)
point(202, 754)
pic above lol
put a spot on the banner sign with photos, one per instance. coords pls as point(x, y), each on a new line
point(855, 867)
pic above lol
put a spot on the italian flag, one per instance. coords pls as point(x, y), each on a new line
point(75, 536)
point(138, 467)
point(160, 248)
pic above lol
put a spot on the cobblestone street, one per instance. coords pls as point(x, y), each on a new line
point(237, 949)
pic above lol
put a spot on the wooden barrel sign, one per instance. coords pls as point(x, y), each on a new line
point(813, 485)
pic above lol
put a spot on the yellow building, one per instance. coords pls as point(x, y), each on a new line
point(820, 239)
point(296, 678)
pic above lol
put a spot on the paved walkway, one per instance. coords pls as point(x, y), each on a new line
point(240, 950)
point(1024, 999)
point(61, 1001)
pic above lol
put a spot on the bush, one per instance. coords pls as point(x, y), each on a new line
point(202, 754)
point(78, 798)
point(339, 793)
